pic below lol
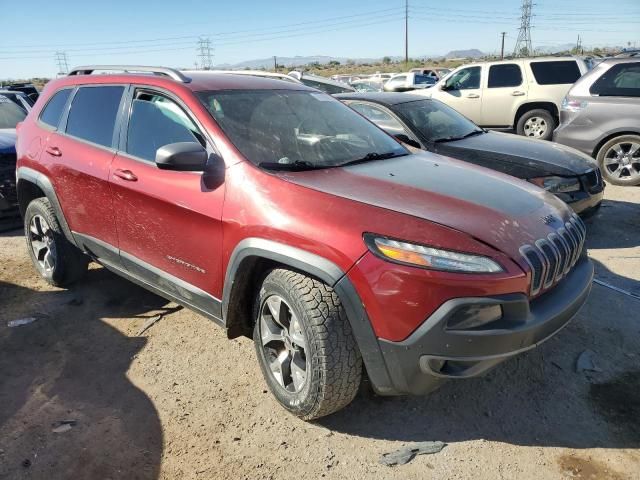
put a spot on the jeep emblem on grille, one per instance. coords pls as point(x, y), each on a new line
point(549, 219)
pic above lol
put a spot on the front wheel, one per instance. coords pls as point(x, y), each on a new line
point(305, 347)
point(537, 123)
point(619, 160)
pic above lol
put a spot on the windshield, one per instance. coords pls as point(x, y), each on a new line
point(435, 120)
point(294, 127)
point(10, 113)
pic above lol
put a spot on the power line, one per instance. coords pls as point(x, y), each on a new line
point(523, 43)
point(406, 31)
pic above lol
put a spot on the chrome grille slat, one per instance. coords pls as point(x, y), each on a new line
point(551, 258)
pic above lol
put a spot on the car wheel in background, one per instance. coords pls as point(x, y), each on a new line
point(619, 160)
point(57, 260)
point(537, 123)
point(305, 347)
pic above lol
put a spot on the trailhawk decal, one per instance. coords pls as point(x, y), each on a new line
point(186, 264)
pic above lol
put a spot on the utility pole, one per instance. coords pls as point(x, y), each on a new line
point(523, 44)
point(204, 52)
point(502, 50)
point(275, 63)
point(63, 64)
point(406, 32)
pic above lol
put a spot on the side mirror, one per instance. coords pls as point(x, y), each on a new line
point(406, 140)
point(182, 156)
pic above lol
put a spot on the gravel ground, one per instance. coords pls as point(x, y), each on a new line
point(85, 395)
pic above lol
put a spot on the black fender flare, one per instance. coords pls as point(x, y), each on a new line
point(26, 174)
point(328, 272)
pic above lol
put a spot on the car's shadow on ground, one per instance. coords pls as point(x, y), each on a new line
point(71, 366)
point(536, 399)
point(621, 231)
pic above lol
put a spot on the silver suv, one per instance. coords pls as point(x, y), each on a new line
point(601, 117)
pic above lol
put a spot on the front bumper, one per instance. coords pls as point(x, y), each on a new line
point(433, 354)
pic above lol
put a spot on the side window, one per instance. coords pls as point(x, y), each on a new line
point(560, 72)
point(378, 116)
point(465, 79)
point(52, 112)
point(93, 114)
point(157, 121)
point(622, 80)
point(507, 75)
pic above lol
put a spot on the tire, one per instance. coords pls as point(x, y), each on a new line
point(538, 123)
point(312, 330)
point(57, 260)
point(619, 162)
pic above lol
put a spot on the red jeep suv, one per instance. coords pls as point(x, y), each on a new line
point(282, 214)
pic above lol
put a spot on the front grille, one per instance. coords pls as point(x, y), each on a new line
point(552, 258)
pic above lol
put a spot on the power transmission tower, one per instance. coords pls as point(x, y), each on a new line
point(523, 44)
point(204, 52)
point(63, 64)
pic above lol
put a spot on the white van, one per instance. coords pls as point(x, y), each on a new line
point(523, 93)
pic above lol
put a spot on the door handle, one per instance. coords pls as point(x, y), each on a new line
point(517, 93)
point(473, 95)
point(127, 175)
point(53, 151)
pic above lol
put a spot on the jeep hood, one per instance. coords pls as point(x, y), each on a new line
point(499, 210)
point(518, 156)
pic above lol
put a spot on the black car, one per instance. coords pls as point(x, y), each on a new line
point(431, 125)
point(10, 115)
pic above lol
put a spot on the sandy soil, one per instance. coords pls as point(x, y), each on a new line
point(180, 401)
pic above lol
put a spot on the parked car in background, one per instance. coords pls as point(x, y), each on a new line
point(348, 79)
point(600, 116)
point(523, 93)
point(383, 77)
point(437, 73)
point(281, 214)
point(367, 86)
point(10, 115)
point(321, 83)
point(433, 126)
point(408, 81)
point(27, 88)
point(19, 98)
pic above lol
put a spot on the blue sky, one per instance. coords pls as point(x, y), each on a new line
point(165, 32)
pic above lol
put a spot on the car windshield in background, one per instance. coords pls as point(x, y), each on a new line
point(10, 113)
point(424, 80)
point(435, 120)
point(293, 129)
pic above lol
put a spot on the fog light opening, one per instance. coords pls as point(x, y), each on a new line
point(474, 317)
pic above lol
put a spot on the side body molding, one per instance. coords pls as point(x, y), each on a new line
point(39, 179)
point(328, 272)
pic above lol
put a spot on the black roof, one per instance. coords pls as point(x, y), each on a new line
point(383, 98)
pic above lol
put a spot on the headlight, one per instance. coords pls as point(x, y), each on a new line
point(428, 257)
point(557, 184)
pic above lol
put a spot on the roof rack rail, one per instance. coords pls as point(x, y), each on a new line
point(169, 72)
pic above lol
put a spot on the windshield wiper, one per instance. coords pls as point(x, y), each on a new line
point(373, 156)
point(466, 135)
point(297, 166)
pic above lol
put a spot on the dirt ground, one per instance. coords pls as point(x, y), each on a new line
point(180, 401)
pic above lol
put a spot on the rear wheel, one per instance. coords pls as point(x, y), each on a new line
point(537, 123)
point(305, 347)
point(619, 160)
point(57, 260)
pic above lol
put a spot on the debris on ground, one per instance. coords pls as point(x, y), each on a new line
point(406, 454)
point(150, 323)
point(21, 321)
point(585, 362)
point(63, 426)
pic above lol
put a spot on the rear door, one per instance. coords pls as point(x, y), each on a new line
point(462, 91)
point(169, 222)
point(79, 157)
point(504, 90)
point(551, 80)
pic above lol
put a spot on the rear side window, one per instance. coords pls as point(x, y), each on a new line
point(622, 80)
point(93, 114)
point(508, 75)
point(52, 112)
point(560, 72)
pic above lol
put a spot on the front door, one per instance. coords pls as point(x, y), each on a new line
point(462, 92)
point(169, 222)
